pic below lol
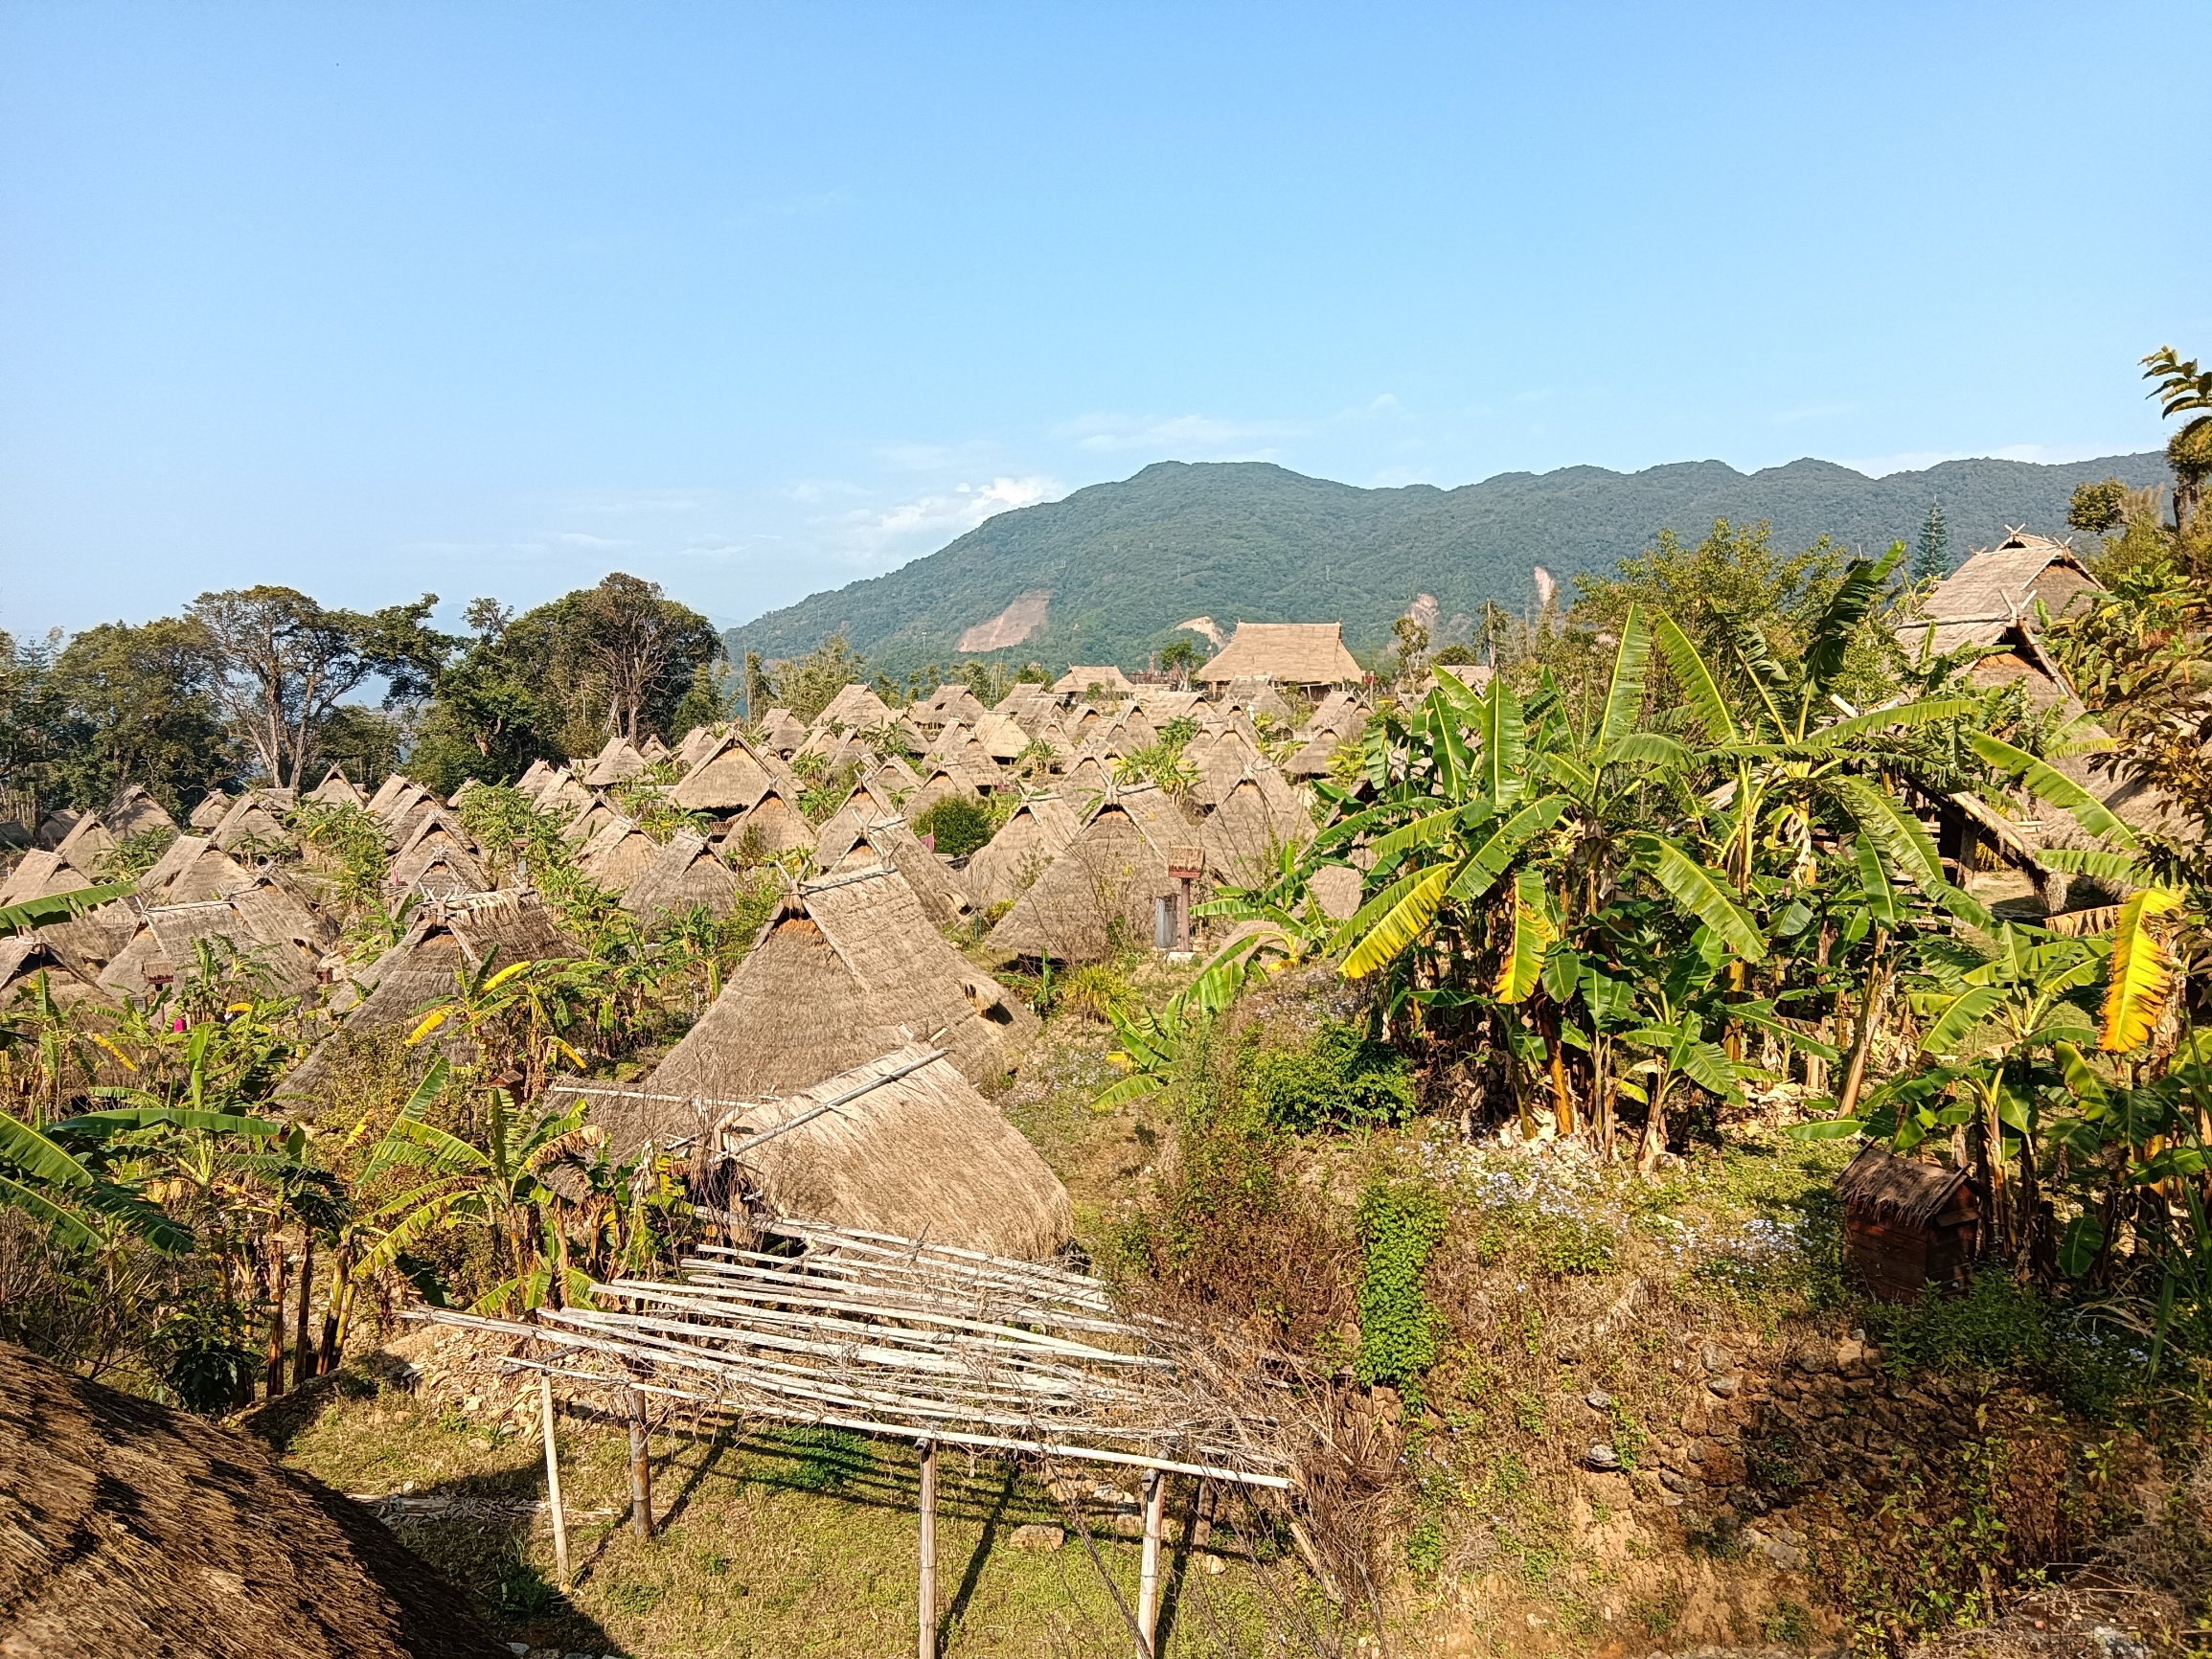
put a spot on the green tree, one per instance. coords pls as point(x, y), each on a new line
point(612, 660)
point(1931, 558)
point(2099, 508)
point(805, 686)
point(2182, 387)
point(142, 709)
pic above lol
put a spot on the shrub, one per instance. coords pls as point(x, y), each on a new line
point(1341, 1079)
point(1400, 1223)
point(1996, 1326)
point(960, 825)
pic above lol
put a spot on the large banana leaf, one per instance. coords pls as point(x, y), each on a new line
point(1489, 861)
point(1504, 744)
point(1961, 1015)
point(1700, 891)
point(2049, 785)
point(1532, 936)
point(61, 907)
point(1625, 693)
point(1698, 684)
point(1925, 713)
point(1893, 830)
point(1829, 641)
point(1407, 920)
point(2140, 976)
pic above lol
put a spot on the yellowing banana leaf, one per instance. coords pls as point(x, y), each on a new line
point(2140, 976)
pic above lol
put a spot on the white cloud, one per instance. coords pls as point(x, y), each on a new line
point(1182, 434)
point(873, 538)
point(595, 543)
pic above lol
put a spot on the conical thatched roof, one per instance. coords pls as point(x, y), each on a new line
point(729, 778)
point(1078, 681)
point(580, 830)
point(949, 702)
point(533, 777)
point(41, 876)
point(446, 937)
point(254, 816)
point(1257, 816)
point(910, 1149)
point(53, 829)
point(699, 743)
point(653, 750)
point(1037, 834)
point(854, 708)
point(782, 731)
point(132, 1529)
point(190, 871)
point(86, 844)
point(387, 791)
point(210, 811)
point(438, 856)
point(133, 812)
point(1096, 897)
point(683, 874)
point(26, 956)
point(614, 763)
point(847, 968)
point(618, 855)
point(939, 782)
point(336, 790)
point(1000, 736)
point(1160, 705)
point(773, 825)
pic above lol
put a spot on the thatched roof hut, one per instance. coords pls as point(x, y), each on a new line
point(336, 790)
point(700, 742)
point(1097, 897)
point(683, 874)
point(386, 791)
point(133, 812)
point(1159, 705)
point(862, 835)
point(940, 782)
point(1080, 680)
point(135, 1528)
point(261, 924)
point(951, 701)
point(210, 811)
point(653, 750)
point(255, 817)
point(533, 777)
point(910, 1148)
point(447, 937)
point(27, 955)
point(773, 825)
point(1000, 736)
point(1259, 815)
point(1025, 846)
point(86, 844)
point(728, 778)
point(41, 876)
point(847, 968)
point(193, 870)
point(1310, 656)
point(615, 762)
point(618, 855)
point(782, 731)
point(853, 708)
point(1906, 1223)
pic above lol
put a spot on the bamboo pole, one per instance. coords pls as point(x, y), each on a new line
point(1148, 1575)
point(553, 1481)
point(928, 1596)
point(640, 1470)
point(302, 1351)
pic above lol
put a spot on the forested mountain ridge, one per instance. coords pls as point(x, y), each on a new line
point(1125, 563)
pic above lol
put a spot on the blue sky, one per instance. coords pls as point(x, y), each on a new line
point(753, 301)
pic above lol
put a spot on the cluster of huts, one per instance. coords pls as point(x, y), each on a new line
point(853, 993)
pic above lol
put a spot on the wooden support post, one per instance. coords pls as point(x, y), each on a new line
point(640, 1470)
point(304, 1355)
point(928, 1597)
point(1148, 1575)
point(553, 1481)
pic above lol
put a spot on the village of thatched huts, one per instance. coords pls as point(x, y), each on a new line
point(1034, 834)
point(1310, 656)
point(906, 1146)
point(846, 969)
point(133, 1528)
point(262, 926)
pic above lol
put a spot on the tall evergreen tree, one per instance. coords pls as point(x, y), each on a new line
point(1931, 561)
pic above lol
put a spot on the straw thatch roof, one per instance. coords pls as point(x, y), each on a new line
point(700, 742)
point(27, 955)
point(132, 1529)
point(533, 777)
point(782, 731)
point(1096, 897)
point(653, 750)
point(1878, 1183)
point(53, 829)
point(911, 1149)
point(210, 811)
point(41, 876)
point(1289, 653)
point(260, 924)
point(773, 825)
point(86, 844)
point(256, 815)
point(580, 830)
point(133, 812)
point(683, 874)
point(447, 937)
point(728, 778)
point(336, 790)
point(615, 762)
point(862, 835)
point(1000, 736)
point(1221, 760)
point(950, 701)
point(1254, 695)
point(1997, 586)
point(190, 871)
point(939, 781)
point(1037, 834)
point(853, 709)
point(387, 791)
point(1159, 705)
point(618, 855)
point(1259, 815)
point(845, 969)
point(1078, 680)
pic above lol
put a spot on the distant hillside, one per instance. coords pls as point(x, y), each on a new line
point(1108, 574)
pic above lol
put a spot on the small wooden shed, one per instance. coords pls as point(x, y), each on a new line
point(1906, 1223)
